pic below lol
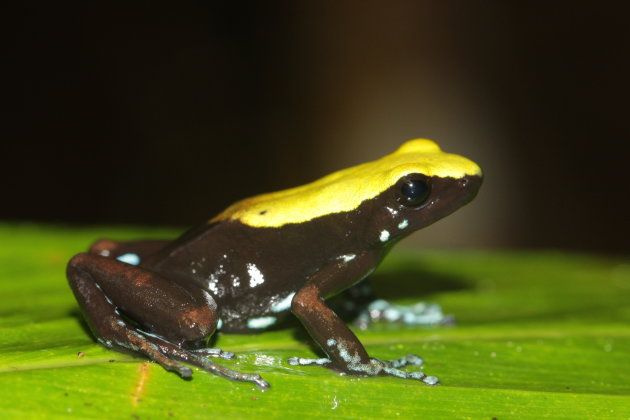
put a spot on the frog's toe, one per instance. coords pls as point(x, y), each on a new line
point(431, 380)
point(215, 352)
point(300, 361)
point(392, 368)
point(183, 371)
point(419, 376)
point(260, 382)
point(408, 360)
point(151, 350)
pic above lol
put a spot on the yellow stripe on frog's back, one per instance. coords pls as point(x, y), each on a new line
point(345, 190)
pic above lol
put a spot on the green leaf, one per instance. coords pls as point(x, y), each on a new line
point(539, 335)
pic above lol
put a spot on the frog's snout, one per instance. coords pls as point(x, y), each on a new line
point(469, 185)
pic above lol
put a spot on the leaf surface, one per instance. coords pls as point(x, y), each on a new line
point(539, 335)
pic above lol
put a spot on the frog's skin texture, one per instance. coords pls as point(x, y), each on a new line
point(264, 257)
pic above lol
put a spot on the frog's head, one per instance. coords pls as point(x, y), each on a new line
point(420, 185)
point(408, 189)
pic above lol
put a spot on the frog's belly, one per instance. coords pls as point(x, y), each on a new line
point(252, 299)
point(253, 315)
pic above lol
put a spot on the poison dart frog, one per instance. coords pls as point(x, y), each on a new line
point(265, 257)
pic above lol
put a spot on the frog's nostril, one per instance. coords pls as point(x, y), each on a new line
point(463, 182)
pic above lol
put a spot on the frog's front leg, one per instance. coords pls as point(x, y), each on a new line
point(345, 352)
point(171, 315)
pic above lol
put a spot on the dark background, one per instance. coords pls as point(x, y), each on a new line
point(149, 114)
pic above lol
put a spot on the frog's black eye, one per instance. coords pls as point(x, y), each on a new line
point(413, 192)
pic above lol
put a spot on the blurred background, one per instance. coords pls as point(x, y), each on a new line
point(165, 114)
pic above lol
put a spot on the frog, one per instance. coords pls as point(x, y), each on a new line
point(266, 257)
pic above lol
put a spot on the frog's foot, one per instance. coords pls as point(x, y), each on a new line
point(135, 342)
point(212, 367)
point(300, 361)
point(418, 314)
point(408, 360)
point(214, 352)
point(167, 354)
point(375, 367)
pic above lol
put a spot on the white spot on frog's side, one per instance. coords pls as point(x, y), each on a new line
point(219, 324)
point(403, 224)
point(384, 236)
point(262, 322)
point(255, 276)
point(236, 281)
point(132, 259)
point(213, 281)
point(331, 342)
point(347, 257)
point(392, 211)
point(283, 305)
point(104, 253)
point(209, 300)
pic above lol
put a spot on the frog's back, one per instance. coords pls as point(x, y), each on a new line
point(347, 189)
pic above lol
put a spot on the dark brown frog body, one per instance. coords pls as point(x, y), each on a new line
point(242, 272)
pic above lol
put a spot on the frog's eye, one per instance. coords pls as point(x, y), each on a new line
point(413, 192)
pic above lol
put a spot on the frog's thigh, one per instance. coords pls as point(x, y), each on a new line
point(104, 286)
point(130, 251)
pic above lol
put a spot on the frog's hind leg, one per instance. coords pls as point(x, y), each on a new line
point(169, 314)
